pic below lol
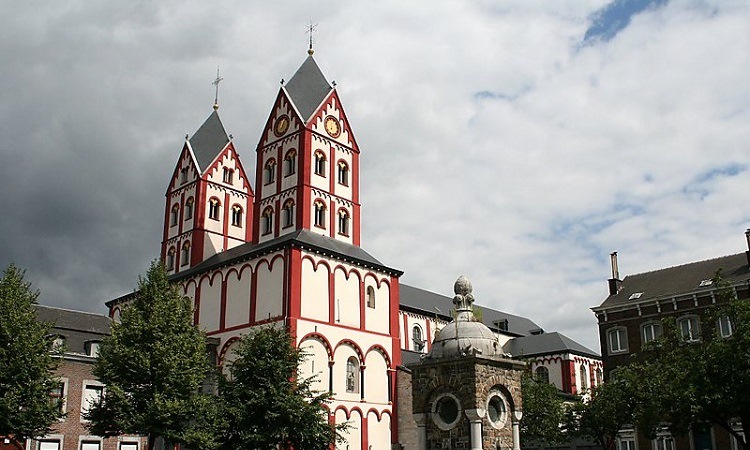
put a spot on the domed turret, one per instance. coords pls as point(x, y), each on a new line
point(465, 335)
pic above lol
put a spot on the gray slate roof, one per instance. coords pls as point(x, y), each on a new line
point(301, 238)
point(307, 88)
point(208, 141)
point(546, 344)
point(78, 327)
point(679, 280)
point(425, 302)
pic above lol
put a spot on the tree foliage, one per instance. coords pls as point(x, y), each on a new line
point(608, 410)
point(153, 365)
point(28, 363)
point(543, 412)
point(688, 384)
point(266, 403)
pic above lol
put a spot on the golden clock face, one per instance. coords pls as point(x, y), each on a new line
point(333, 128)
point(282, 124)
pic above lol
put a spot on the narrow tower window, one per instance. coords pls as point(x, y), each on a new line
point(288, 213)
point(174, 215)
point(189, 208)
point(237, 215)
point(268, 220)
point(228, 175)
point(370, 297)
point(213, 208)
point(352, 375)
point(269, 172)
point(343, 222)
point(416, 337)
point(290, 163)
point(320, 164)
point(185, 253)
point(343, 177)
point(170, 258)
point(320, 214)
point(183, 175)
point(583, 374)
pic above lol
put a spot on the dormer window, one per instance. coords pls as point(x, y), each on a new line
point(237, 215)
point(705, 283)
point(343, 174)
point(320, 164)
point(58, 342)
point(92, 348)
point(228, 175)
point(269, 172)
point(635, 296)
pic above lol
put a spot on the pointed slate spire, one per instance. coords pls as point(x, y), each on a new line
point(208, 141)
point(307, 88)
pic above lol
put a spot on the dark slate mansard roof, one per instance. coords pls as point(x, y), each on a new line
point(308, 88)
point(208, 141)
point(678, 281)
point(77, 327)
point(424, 302)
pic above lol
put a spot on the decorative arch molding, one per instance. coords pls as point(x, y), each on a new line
point(269, 263)
point(378, 281)
point(186, 285)
point(379, 414)
point(317, 263)
point(211, 278)
point(349, 411)
point(225, 349)
point(348, 273)
point(353, 345)
point(314, 336)
point(548, 360)
point(379, 349)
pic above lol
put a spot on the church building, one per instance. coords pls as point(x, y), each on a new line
point(286, 251)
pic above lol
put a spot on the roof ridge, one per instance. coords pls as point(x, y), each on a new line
point(684, 264)
point(72, 310)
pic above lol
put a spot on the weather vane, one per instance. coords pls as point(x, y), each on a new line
point(310, 31)
point(216, 83)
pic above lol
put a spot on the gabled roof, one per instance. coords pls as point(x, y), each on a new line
point(678, 280)
point(208, 141)
point(425, 302)
point(308, 88)
point(546, 344)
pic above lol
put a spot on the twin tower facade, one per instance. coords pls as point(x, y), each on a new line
point(287, 251)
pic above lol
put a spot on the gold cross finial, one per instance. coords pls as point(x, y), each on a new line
point(216, 83)
point(310, 31)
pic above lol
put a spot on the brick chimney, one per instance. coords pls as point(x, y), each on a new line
point(615, 284)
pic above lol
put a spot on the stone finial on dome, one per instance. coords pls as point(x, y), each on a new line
point(463, 299)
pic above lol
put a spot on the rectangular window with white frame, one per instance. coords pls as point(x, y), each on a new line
point(90, 444)
point(128, 445)
point(663, 442)
point(92, 392)
point(725, 326)
point(58, 395)
point(50, 444)
point(618, 340)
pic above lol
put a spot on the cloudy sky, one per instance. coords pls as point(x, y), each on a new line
point(516, 142)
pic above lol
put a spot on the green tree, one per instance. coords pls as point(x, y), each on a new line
point(266, 402)
point(28, 363)
point(688, 384)
point(153, 365)
point(543, 412)
point(608, 410)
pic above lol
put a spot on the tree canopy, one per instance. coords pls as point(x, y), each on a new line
point(543, 412)
point(265, 401)
point(153, 365)
point(28, 364)
point(687, 384)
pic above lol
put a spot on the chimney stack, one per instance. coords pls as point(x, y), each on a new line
point(615, 284)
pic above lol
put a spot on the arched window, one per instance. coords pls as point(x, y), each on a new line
point(599, 377)
point(343, 173)
point(320, 214)
point(320, 164)
point(287, 213)
point(352, 375)
point(237, 215)
point(343, 222)
point(228, 175)
point(189, 208)
point(542, 374)
point(269, 172)
point(370, 297)
point(185, 258)
point(174, 215)
point(584, 376)
point(416, 338)
point(170, 258)
point(290, 163)
point(268, 220)
point(214, 207)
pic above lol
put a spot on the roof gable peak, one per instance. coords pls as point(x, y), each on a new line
point(308, 88)
point(208, 141)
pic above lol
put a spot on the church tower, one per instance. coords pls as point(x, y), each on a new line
point(307, 172)
point(209, 199)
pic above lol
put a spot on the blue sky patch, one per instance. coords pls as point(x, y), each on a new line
point(614, 17)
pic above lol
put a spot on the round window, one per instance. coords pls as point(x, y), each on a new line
point(497, 409)
point(446, 411)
